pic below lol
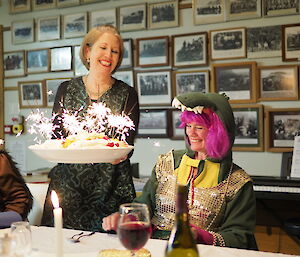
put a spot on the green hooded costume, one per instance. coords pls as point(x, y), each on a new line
point(228, 210)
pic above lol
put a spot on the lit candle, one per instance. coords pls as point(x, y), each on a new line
point(57, 213)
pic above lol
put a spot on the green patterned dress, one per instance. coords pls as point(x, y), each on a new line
point(89, 192)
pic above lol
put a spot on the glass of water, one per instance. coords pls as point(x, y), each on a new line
point(21, 236)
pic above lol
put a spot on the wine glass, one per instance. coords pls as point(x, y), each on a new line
point(21, 236)
point(134, 226)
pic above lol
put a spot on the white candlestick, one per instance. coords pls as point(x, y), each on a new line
point(57, 213)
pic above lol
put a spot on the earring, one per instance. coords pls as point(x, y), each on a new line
point(88, 60)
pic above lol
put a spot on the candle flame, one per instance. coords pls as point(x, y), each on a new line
point(54, 199)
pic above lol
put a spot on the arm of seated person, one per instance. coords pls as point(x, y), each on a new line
point(8, 217)
point(111, 222)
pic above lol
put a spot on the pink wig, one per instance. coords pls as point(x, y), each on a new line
point(217, 141)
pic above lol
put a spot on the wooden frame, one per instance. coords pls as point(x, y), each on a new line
point(74, 25)
point(264, 41)
point(204, 12)
point(249, 127)
point(290, 42)
point(51, 86)
point(154, 87)
point(237, 10)
point(31, 94)
point(236, 80)
point(126, 76)
point(163, 15)
point(37, 61)
point(127, 61)
point(37, 5)
point(101, 17)
point(190, 81)
point(2, 109)
point(67, 3)
point(176, 133)
point(280, 7)
point(16, 7)
point(153, 51)
point(61, 58)
point(133, 17)
point(190, 50)
point(228, 43)
point(22, 31)
point(278, 83)
point(14, 64)
point(78, 67)
point(48, 28)
point(153, 123)
point(281, 126)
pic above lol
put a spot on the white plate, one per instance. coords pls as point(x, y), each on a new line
point(95, 155)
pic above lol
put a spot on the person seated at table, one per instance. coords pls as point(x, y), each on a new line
point(15, 197)
point(222, 204)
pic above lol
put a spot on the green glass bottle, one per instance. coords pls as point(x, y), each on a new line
point(181, 242)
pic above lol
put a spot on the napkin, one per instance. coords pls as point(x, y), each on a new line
point(123, 253)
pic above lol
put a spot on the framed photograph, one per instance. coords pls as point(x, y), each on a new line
point(228, 43)
point(22, 32)
point(236, 80)
point(190, 50)
point(67, 3)
point(190, 81)
point(154, 87)
point(278, 83)
point(75, 25)
point(125, 76)
point(240, 10)
point(176, 133)
point(249, 127)
point(98, 18)
point(286, 164)
point(282, 124)
point(153, 51)
point(163, 15)
point(264, 42)
point(132, 17)
point(37, 61)
point(127, 61)
point(31, 94)
point(206, 11)
point(16, 6)
point(153, 123)
point(43, 5)
point(291, 42)
point(48, 28)
point(61, 58)
point(280, 7)
point(14, 64)
point(51, 89)
point(79, 68)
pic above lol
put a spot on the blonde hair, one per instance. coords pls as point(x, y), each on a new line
point(93, 35)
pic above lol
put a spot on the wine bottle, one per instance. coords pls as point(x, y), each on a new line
point(181, 242)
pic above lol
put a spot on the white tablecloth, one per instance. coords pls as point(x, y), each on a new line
point(44, 246)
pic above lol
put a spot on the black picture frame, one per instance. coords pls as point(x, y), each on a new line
point(286, 164)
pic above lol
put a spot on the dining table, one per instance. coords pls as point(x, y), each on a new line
point(43, 245)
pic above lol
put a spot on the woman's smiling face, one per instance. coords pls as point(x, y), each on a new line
point(197, 136)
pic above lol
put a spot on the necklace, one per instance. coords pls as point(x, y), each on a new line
point(100, 88)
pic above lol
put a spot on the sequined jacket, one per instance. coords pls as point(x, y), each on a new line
point(227, 210)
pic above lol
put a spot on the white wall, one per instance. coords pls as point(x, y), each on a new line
point(146, 150)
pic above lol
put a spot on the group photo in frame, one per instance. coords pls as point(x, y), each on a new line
point(153, 123)
point(102, 17)
point(127, 61)
point(19, 6)
point(264, 41)
point(31, 94)
point(51, 86)
point(14, 64)
point(237, 80)
point(22, 32)
point(163, 15)
point(154, 87)
point(176, 132)
point(241, 10)
point(133, 17)
point(190, 81)
point(291, 42)
point(43, 5)
point(61, 58)
point(125, 76)
point(249, 127)
point(228, 43)
point(280, 7)
point(37, 61)
point(278, 83)
point(205, 12)
point(282, 125)
point(74, 25)
point(153, 51)
point(48, 28)
point(78, 67)
point(190, 50)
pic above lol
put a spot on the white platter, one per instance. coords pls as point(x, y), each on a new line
point(95, 155)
